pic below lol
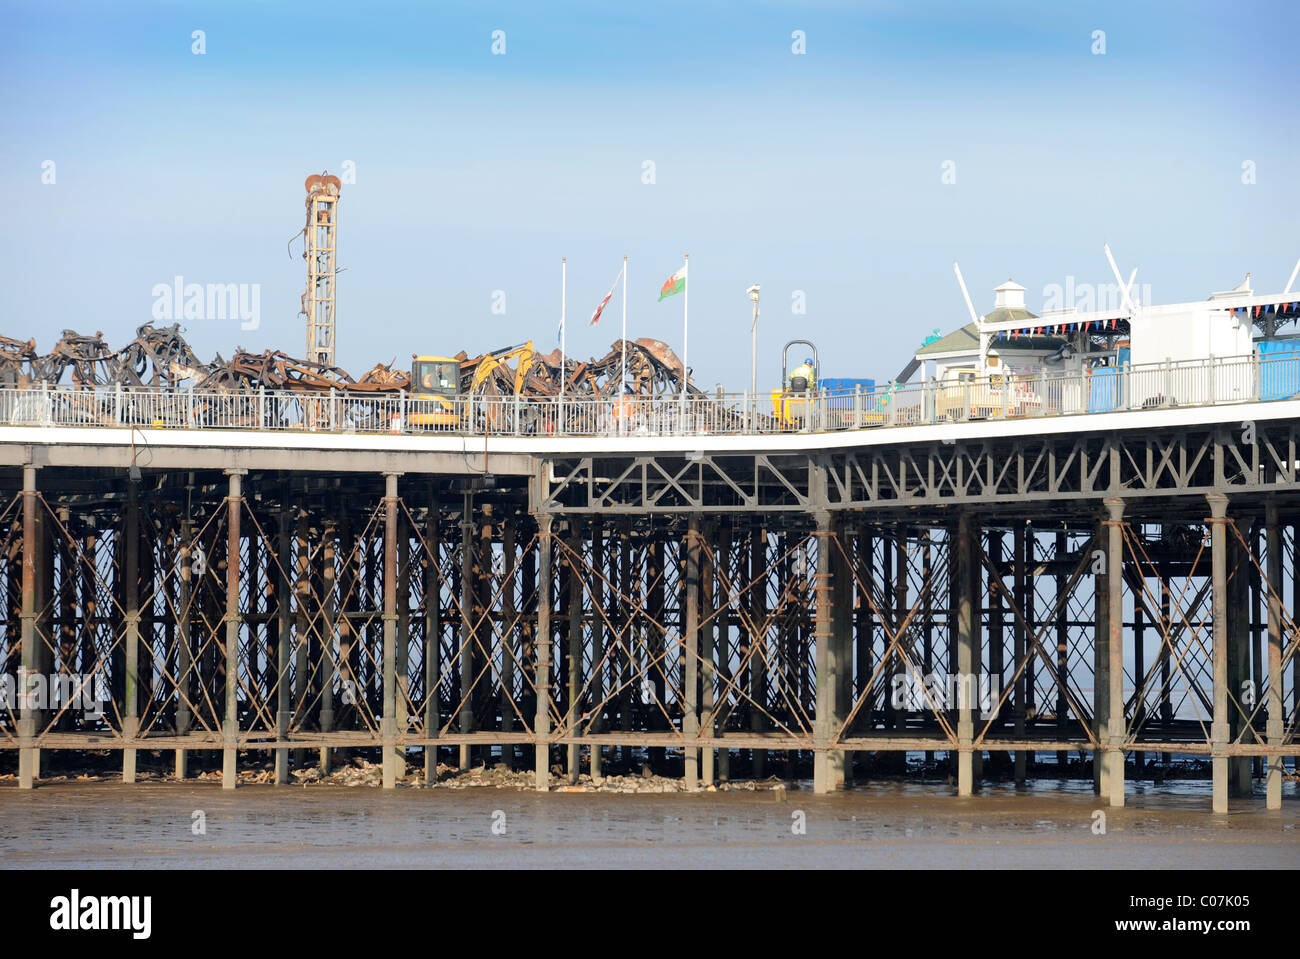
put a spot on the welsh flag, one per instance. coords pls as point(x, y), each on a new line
point(674, 284)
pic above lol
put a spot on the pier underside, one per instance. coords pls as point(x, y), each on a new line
point(1100, 604)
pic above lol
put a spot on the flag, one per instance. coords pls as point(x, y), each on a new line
point(674, 284)
point(595, 317)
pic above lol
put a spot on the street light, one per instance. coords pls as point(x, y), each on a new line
point(753, 347)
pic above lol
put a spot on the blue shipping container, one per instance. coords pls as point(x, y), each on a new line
point(1279, 369)
point(841, 391)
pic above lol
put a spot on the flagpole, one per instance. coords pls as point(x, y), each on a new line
point(564, 260)
point(623, 377)
point(686, 328)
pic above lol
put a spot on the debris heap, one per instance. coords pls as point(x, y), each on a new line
point(160, 357)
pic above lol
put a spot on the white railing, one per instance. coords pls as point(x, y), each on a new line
point(1196, 383)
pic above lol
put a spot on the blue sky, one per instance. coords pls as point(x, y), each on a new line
point(475, 172)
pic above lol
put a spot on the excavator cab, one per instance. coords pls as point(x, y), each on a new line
point(435, 374)
point(435, 384)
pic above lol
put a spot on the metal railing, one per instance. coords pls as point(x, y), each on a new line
point(1107, 389)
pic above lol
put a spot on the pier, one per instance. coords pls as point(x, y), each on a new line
point(690, 588)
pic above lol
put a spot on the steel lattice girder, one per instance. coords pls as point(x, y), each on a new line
point(1025, 473)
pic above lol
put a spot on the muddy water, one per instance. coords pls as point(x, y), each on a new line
point(884, 825)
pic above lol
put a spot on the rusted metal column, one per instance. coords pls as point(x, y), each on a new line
point(542, 717)
point(403, 651)
point(656, 573)
point(352, 625)
point(1273, 702)
point(432, 639)
point(997, 638)
point(509, 631)
point(1137, 584)
point(896, 548)
point(184, 651)
point(1219, 578)
point(1018, 646)
point(927, 618)
point(253, 654)
point(230, 728)
point(691, 653)
point(573, 633)
point(627, 660)
point(1116, 729)
point(901, 603)
point(283, 640)
point(597, 689)
point(793, 570)
point(131, 627)
point(828, 766)
point(1258, 655)
point(29, 757)
point(466, 657)
point(1031, 627)
point(1238, 658)
point(483, 635)
point(724, 574)
point(1241, 564)
point(757, 641)
point(302, 668)
point(866, 632)
point(329, 636)
point(67, 613)
point(1166, 703)
point(1101, 662)
point(965, 655)
point(708, 675)
point(1062, 646)
point(841, 637)
point(388, 728)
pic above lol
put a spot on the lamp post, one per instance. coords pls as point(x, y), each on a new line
point(753, 353)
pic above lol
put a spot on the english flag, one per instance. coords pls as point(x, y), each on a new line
point(595, 317)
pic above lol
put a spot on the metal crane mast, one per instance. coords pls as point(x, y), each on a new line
point(321, 235)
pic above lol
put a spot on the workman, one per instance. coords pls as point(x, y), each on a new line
point(804, 369)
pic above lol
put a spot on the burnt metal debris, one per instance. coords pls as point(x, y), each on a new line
point(158, 356)
point(161, 357)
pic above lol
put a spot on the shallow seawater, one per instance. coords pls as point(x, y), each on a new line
point(880, 825)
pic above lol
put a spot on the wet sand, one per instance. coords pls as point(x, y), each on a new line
point(883, 825)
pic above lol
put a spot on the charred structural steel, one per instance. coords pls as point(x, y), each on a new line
point(991, 596)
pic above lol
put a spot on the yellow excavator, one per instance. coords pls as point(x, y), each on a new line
point(435, 382)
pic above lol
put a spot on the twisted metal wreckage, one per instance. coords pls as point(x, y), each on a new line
point(161, 357)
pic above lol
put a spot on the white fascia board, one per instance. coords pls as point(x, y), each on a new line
point(635, 445)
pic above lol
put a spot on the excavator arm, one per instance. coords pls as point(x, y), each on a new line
point(501, 358)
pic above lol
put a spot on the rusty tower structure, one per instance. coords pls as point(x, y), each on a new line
point(321, 236)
